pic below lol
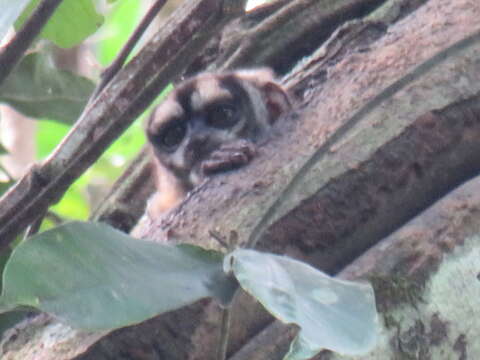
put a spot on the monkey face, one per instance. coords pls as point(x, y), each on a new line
point(209, 124)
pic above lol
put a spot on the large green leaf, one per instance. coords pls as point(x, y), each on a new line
point(97, 278)
point(333, 314)
point(72, 22)
point(39, 90)
point(10, 12)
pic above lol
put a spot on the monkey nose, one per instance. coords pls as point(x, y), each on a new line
point(199, 147)
point(197, 142)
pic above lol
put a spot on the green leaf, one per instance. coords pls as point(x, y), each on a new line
point(72, 22)
point(119, 25)
point(4, 185)
point(97, 278)
point(333, 314)
point(10, 12)
point(9, 320)
point(37, 89)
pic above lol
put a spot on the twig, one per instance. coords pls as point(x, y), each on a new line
point(11, 54)
point(219, 238)
point(35, 226)
point(54, 217)
point(224, 331)
point(117, 64)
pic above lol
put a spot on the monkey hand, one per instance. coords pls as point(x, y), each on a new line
point(229, 156)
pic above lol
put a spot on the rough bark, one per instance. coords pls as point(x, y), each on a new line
point(387, 122)
point(426, 280)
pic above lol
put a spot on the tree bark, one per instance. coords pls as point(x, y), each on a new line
point(387, 122)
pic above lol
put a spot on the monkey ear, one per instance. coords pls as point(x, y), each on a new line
point(276, 99)
point(275, 96)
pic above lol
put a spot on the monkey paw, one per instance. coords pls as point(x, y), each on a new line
point(229, 156)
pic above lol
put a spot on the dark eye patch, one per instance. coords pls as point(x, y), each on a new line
point(171, 135)
point(222, 115)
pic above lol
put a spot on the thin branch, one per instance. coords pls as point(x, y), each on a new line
point(12, 53)
point(219, 238)
point(33, 228)
point(295, 29)
point(54, 217)
point(115, 67)
point(224, 331)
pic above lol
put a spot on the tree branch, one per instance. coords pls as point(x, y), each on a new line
point(115, 67)
point(12, 53)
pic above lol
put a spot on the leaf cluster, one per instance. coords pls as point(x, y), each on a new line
point(96, 278)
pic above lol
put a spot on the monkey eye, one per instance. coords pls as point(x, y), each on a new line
point(222, 116)
point(172, 135)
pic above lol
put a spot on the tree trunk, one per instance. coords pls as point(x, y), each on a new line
point(387, 122)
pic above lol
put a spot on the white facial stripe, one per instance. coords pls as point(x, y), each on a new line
point(208, 90)
point(257, 103)
point(167, 110)
point(178, 158)
point(259, 77)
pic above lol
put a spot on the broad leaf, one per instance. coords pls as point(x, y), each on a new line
point(10, 12)
point(333, 314)
point(39, 90)
point(72, 22)
point(97, 278)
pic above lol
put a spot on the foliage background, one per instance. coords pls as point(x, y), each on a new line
point(120, 19)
